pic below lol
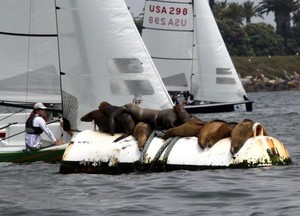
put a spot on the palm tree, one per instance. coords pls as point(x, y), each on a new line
point(282, 10)
point(250, 11)
point(235, 12)
point(296, 18)
point(220, 8)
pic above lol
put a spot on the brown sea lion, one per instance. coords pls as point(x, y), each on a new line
point(141, 133)
point(183, 116)
point(166, 119)
point(158, 119)
point(241, 133)
point(208, 131)
point(117, 116)
point(222, 132)
point(100, 120)
point(190, 128)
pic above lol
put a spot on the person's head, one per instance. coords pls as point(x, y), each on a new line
point(40, 109)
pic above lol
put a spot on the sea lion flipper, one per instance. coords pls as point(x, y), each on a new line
point(112, 118)
point(122, 137)
point(112, 125)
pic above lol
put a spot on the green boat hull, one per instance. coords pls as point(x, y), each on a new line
point(49, 155)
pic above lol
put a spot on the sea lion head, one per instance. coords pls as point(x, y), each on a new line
point(89, 116)
point(240, 134)
point(131, 106)
point(103, 104)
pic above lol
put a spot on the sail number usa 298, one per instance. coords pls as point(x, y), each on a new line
point(168, 15)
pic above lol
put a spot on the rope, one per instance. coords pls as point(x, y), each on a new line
point(169, 148)
point(25, 130)
point(147, 144)
point(168, 145)
point(12, 123)
point(154, 133)
point(172, 141)
point(12, 114)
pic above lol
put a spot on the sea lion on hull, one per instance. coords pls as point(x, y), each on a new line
point(212, 132)
point(158, 119)
point(141, 133)
point(222, 131)
point(190, 128)
point(183, 116)
point(241, 133)
point(100, 120)
point(166, 119)
point(117, 115)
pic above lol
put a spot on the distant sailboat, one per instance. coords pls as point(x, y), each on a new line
point(188, 50)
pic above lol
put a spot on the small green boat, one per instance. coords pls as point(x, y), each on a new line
point(12, 143)
point(20, 155)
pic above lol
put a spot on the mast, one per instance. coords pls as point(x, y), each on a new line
point(193, 47)
point(58, 55)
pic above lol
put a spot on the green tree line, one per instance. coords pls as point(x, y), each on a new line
point(244, 38)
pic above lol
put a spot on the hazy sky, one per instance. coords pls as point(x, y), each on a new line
point(136, 7)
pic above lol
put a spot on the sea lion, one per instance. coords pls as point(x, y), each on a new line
point(100, 120)
point(141, 133)
point(166, 119)
point(183, 116)
point(241, 133)
point(209, 129)
point(190, 128)
point(222, 132)
point(117, 115)
point(158, 119)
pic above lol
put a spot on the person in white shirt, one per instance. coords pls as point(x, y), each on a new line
point(35, 126)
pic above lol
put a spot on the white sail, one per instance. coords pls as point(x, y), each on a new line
point(29, 69)
point(103, 57)
point(76, 53)
point(189, 52)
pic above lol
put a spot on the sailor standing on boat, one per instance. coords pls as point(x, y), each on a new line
point(35, 126)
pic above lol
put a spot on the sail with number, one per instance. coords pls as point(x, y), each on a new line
point(189, 52)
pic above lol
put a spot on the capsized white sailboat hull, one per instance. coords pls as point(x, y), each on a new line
point(94, 152)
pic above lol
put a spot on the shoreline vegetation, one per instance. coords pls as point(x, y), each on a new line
point(269, 73)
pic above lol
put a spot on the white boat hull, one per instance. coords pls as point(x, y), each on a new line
point(95, 152)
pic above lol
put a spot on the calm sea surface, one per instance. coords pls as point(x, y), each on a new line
point(39, 189)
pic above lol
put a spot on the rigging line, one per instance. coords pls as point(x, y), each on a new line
point(27, 106)
point(59, 57)
point(6, 126)
point(28, 52)
point(25, 131)
point(193, 47)
point(12, 114)
point(28, 35)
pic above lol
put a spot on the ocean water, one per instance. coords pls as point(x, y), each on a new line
point(39, 189)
